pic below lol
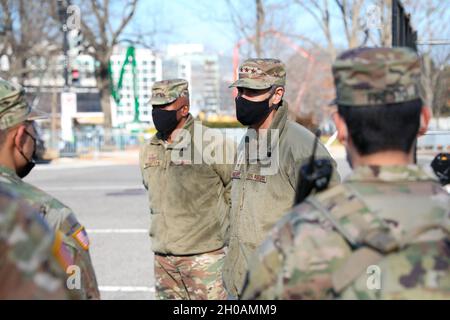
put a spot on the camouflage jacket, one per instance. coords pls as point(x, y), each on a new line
point(60, 218)
point(32, 260)
point(189, 201)
point(382, 234)
point(260, 199)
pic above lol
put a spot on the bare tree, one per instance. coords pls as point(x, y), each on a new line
point(350, 12)
point(427, 18)
point(255, 26)
point(101, 35)
point(321, 14)
point(258, 27)
point(382, 34)
point(27, 39)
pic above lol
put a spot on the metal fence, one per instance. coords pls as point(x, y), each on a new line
point(84, 143)
point(434, 142)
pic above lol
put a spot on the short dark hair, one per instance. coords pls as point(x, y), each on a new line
point(390, 127)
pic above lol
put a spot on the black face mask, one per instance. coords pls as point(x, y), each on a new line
point(24, 171)
point(165, 121)
point(250, 112)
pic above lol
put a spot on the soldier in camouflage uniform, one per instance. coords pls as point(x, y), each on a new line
point(17, 146)
point(264, 183)
point(384, 232)
point(189, 201)
point(32, 260)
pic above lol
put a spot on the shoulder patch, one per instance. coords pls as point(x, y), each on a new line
point(70, 225)
point(60, 252)
point(82, 238)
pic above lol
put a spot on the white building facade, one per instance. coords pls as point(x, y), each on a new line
point(201, 70)
point(149, 70)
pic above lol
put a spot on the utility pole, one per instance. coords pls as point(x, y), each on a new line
point(62, 11)
point(68, 98)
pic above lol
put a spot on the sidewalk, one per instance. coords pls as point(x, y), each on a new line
point(129, 157)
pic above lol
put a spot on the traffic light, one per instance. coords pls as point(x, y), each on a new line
point(76, 42)
point(75, 76)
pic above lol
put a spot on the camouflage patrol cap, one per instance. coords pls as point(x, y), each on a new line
point(167, 91)
point(261, 74)
point(14, 108)
point(376, 76)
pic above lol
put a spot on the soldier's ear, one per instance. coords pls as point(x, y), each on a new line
point(185, 110)
point(19, 136)
point(278, 95)
point(341, 128)
point(425, 116)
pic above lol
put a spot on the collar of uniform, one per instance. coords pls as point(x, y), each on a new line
point(8, 172)
point(187, 126)
point(279, 121)
point(394, 173)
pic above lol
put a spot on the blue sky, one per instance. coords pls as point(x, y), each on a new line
point(208, 22)
point(203, 21)
point(184, 21)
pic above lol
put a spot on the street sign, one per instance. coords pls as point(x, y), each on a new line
point(68, 111)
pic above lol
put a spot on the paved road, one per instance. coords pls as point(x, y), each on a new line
point(111, 202)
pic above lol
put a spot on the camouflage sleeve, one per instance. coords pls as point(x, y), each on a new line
point(28, 267)
point(297, 259)
point(262, 276)
point(77, 240)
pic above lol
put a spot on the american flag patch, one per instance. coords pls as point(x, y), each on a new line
point(82, 238)
point(61, 252)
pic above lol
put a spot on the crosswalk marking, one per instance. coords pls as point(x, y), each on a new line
point(95, 188)
point(126, 289)
point(98, 231)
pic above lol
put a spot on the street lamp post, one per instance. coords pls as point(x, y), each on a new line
point(62, 11)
